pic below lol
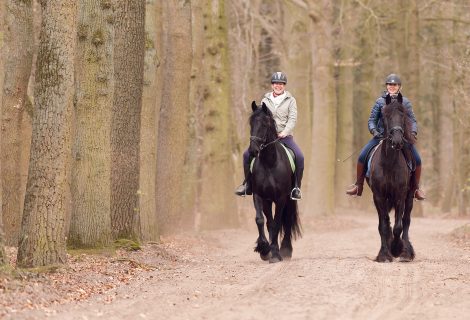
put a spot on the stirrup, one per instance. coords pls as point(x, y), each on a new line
point(292, 193)
point(357, 190)
point(415, 198)
point(239, 193)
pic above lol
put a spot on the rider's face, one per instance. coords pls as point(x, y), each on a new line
point(278, 87)
point(393, 88)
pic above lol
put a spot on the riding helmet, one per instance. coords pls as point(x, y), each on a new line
point(393, 78)
point(278, 77)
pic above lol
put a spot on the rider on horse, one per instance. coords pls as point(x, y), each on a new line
point(393, 86)
point(284, 109)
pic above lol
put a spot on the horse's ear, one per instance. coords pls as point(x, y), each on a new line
point(254, 106)
point(265, 108)
point(388, 99)
point(400, 98)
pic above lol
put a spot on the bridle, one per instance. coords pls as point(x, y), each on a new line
point(392, 130)
point(263, 140)
point(263, 145)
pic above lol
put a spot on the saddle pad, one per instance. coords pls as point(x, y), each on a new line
point(369, 159)
point(289, 155)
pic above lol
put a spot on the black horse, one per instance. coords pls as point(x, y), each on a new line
point(272, 181)
point(391, 183)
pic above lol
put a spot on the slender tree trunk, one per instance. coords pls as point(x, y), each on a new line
point(148, 137)
point(90, 224)
point(42, 239)
point(323, 153)
point(173, 122)
point(129, 53)
point(3, 258)
point(18, 57)
point(192, 182)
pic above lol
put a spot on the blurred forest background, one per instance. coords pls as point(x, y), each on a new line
point(128, 119)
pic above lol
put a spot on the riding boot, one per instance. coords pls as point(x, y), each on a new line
point(296, 194)
point(418, 194)
point(356, 189)
point(245, 188)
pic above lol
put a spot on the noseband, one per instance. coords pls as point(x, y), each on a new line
point(392, 130)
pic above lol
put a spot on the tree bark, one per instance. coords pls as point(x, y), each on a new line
point(90, 224)
point(217, 202)
point(17, 107)
point(42, 238)
point(173, 122)
point(129, 53)
point(150, 107)
point(3, 258)
point(323, 153)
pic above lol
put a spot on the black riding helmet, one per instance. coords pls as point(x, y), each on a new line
point(393, 78)
point(278, 77)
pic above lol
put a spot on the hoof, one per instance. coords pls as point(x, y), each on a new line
point(275, 259)
point(384, 258)
point(286, 253)
point(265, 257)
point(405, 259)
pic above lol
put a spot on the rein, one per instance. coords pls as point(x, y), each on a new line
point(263, 145)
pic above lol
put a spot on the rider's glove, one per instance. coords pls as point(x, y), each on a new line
point(377, 134)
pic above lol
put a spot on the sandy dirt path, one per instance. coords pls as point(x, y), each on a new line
point(332, 275)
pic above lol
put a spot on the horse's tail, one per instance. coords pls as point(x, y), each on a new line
point(291, 226)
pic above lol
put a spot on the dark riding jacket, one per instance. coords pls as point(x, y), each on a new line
point(375, 118)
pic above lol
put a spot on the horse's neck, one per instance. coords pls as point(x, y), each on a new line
point(269, 155)
point(390, 156)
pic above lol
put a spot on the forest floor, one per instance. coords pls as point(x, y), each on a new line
point(216, 275)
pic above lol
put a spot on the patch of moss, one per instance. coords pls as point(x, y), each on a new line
point(101, 251)
point(126, 244)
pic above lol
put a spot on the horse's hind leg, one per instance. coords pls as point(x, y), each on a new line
point(408, 253)
point(397, 243)
point(262, 244)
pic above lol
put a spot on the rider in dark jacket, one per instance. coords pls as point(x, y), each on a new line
point(376, 128)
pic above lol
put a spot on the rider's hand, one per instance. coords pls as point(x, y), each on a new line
point(281, 135)
point(376, 134)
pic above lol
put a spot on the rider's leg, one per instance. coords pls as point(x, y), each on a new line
point(245, 187)
point(358, 186)
point(418, 193)
point(296, 194)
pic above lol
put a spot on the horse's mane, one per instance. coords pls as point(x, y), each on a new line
point(397, 106)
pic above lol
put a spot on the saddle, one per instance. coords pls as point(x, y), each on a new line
point(290, 156)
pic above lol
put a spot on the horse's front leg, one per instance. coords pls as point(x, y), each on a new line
point(275, 255)
point(384, 231)
point(397, 243)
point(268, 213)
point(408, 253)
point(262, 244)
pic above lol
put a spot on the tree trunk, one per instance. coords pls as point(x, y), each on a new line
point(192, 185)
point(18, 57)
point(173, 122)
point(148, 136)
point(216, 167)
point(3, 258)
point(297, 63)
point(321, 176)
point(42, 238)
point(129, 50)
point(90, 224)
